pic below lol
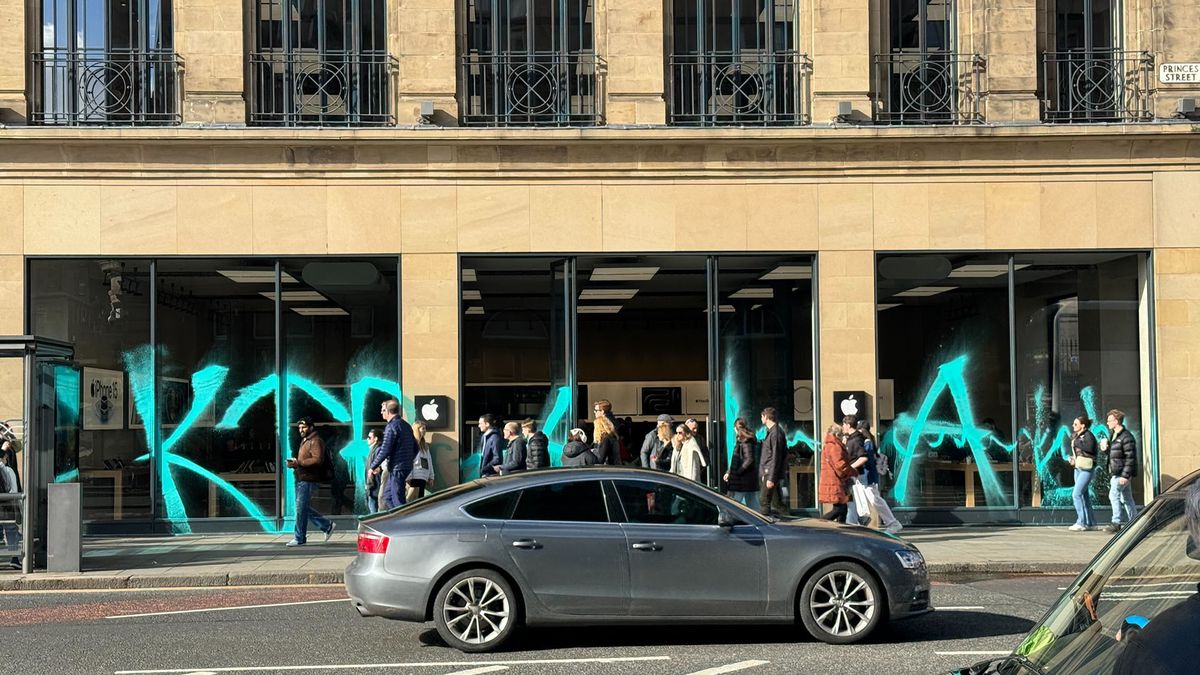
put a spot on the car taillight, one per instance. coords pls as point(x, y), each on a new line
point(372, 542)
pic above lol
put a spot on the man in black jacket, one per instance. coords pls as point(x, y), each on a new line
point(537, 446)
point(773, 465)
point(1122, 466)
point(514, 454)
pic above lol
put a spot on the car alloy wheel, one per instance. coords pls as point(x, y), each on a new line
point(476, 611)
point(841, 603)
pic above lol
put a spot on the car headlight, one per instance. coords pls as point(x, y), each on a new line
point(910, 560)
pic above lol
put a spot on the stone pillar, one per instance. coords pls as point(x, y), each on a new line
point(841, 52)
point(211, 37)
point(631, 41)
point(424, 37)
point(13, 55)
point(1008, 38)
point(846, 303)
point(1171, 40)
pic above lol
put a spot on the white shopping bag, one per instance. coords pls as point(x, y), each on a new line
point(862, 499)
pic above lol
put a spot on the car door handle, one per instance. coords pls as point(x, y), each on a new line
point(646, 546)
point(527, 544)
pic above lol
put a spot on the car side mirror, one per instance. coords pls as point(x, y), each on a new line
point(726, 520)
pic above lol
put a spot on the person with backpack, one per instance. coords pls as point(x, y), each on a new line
point(398, 449)
point(422, 472)
point(313, 466)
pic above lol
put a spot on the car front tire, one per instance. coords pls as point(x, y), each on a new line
point(841, 603)
point(476, 611)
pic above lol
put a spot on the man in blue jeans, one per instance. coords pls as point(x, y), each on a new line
point(1122, 466)
point(309, 466)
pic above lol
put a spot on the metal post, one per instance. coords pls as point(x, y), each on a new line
point(29, 478)
point(1012, 388)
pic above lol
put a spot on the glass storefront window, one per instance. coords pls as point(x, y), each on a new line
point(103, 308)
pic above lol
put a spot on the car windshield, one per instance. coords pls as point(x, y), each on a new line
point(1151, 567)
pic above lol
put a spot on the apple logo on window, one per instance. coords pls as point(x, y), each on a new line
point(850, 406)
point(429, 411)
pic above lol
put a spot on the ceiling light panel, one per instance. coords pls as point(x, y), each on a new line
point(598, 309)
point(623, 273)
point(887, 305)
point(607, 293)
point(296, 296)
point(256, 276)
point(475, 310)
point(320, 311)
point(788, 272)
point(754, 293)
point(924, 291)
point(471, 295)
point(468, 275)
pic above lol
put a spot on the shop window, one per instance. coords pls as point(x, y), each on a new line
point(104, 62)
point(103, 308)
point(321, 62)
point(737, 63)
point(530, 63)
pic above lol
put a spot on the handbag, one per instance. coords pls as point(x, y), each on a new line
point(862, 499)
point(1084, 463)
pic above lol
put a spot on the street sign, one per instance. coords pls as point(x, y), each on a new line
point(1179, 73)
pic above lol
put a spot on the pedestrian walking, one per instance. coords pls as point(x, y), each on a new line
point(742, 477)
point(656, 446)
point(687, 459)
point(836, 474)
point(577, 453)
point(514, 451)
point(603, 408)
point(773, 465)
point(870, 478)
point(398, 449)
point(421, 476)
point(537, 446)
point(490, 456)
point(856, 455)
point(312, 468)
point(374, 480)
point(607, 447)
point(1083, 458)
point(1122, 466)
point(694, 426)
point(10, 511)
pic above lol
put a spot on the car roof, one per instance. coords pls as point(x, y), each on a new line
point(555, 475)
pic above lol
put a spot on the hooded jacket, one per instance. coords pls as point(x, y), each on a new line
point(577, 454)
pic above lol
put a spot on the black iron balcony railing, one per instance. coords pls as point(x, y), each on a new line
point(102, 87)
point(752, 89)
point(930, 88)
point(556, 90)
point(309, 88)
point(1097, 86)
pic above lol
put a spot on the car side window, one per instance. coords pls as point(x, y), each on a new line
point(654, 503)
point(575, 501)
point(496, 507)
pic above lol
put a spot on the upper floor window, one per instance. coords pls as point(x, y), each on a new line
point(922, 78)
point(321, 62)
point(105, 62)
point(1088, 77)
point(737, 63)
point(530, 63)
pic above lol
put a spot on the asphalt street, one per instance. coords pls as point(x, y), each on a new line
point(313, 629)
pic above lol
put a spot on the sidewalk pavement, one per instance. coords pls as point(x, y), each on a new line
point(262, 559)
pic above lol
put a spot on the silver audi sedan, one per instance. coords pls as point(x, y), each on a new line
point(622, 546)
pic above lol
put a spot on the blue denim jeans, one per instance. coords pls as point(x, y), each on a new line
point(1121, 499)
point(1083, 507)
point(749, 499)
point(304, 511)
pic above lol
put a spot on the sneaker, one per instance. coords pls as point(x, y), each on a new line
point(1113, 528)
point(894, 528)
point(1078, 528)
point(329, 532)
point(294, 543)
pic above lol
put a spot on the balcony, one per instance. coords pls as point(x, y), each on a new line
point(542, 90)
point(110, 88)
point(334, 89)
point(744, 89)
point(1097, 86)
point(930, 88)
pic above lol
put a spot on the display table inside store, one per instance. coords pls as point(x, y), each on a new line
point(117, 476)
point(970, 470)
point(234, 478)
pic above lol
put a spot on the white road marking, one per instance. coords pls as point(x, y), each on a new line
point(973, 653)
point(168, 589)
point(958, 608)
point(731, 668)
point(375, 666)
point(480, 671)
point(224, 609)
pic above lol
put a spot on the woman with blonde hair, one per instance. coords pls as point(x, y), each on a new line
point(687, 460)
point(422, 471)
point(656, 447)
point(607, 447)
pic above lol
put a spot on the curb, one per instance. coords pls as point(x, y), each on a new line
point(72, 582)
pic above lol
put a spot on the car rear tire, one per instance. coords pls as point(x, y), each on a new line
point(476, 611)
point(841, 603)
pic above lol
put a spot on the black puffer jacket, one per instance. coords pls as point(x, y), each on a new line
point(1084, 445)
point(537, 448)
point(1122, 455)
point(577, 454)
point(743, 475)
